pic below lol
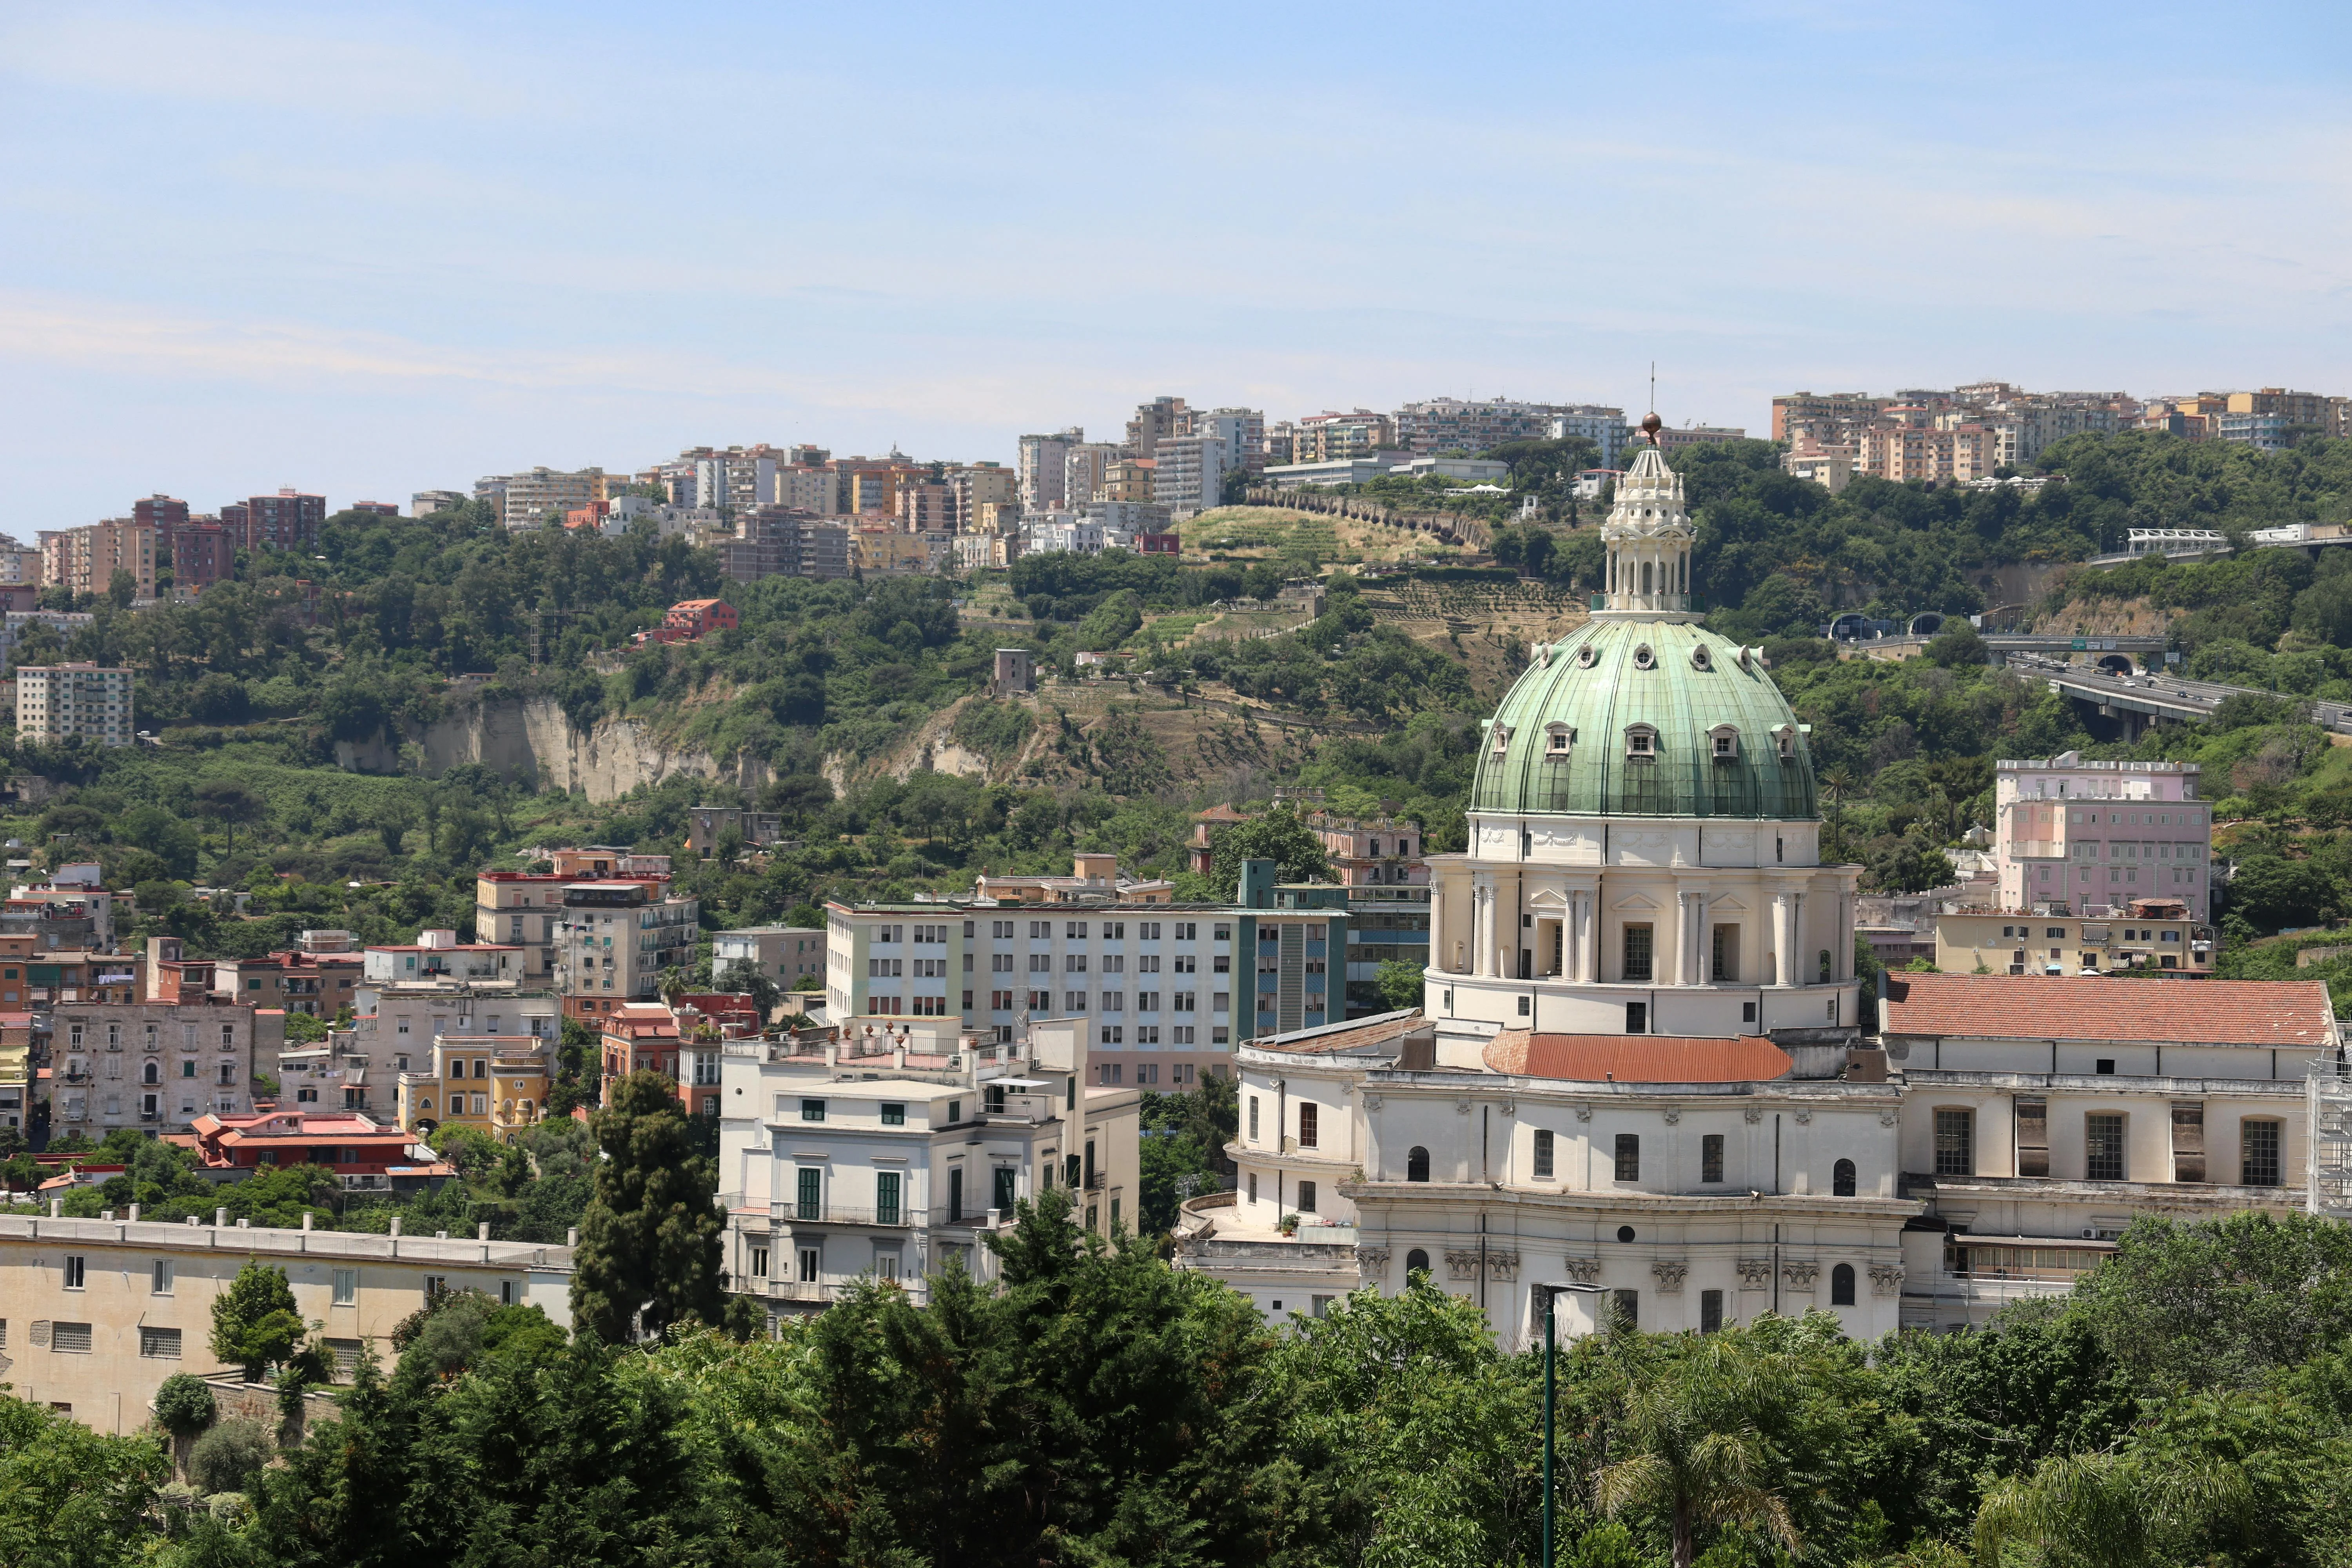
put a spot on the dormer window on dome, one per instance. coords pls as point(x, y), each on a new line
point(1585, 655)
point(1723, 744)
point(1502, 740)
point(1784, 740)
point(1641, 744)
point(1701, 659)
point(1558, 738)
point(1643, 658)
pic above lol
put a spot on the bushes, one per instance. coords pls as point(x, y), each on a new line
point(230, 1456)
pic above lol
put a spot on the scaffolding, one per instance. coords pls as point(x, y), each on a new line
point(2329, 1091)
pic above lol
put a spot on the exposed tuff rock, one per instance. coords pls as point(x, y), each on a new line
point(531, 741)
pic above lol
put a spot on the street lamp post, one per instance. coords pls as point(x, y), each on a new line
point(1551, 1294)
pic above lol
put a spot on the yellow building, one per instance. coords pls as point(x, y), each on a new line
point(493, 1083)
point(2061, 944)
point(101, 1311)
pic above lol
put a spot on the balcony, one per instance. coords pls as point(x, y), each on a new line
point(899, 1218)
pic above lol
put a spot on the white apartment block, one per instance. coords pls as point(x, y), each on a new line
point(528, 499)
point(57, 701)
point(2095, 838)
point(1191, 475)
point(1243, 431)
point(890, 1155)
point(1042, 469)
point(157, 1065)
point(1086, 470)
point(1605, 427)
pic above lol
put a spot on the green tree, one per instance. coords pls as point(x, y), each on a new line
point(2104, 1511)
point(650, 1252)
point(1278, 836)
point(745, 978)
point(184, 1408)
point(1693, 1425)
point(255, 1323)
point(70, 1498)
point(228, 803)
point(1957, 644)
point(230, 1456)
point(1399, 984)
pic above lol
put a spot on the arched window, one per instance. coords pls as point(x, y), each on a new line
point(1841, 1179)
point(155, 1074)
point(1701, 659)
point(1416, 1164)
point(1825, 966)
point(1415, 1262)
point(1647, 578)
point(1841, 1285)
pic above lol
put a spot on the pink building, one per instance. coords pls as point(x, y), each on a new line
point(1371, 851)
point(2086, 838)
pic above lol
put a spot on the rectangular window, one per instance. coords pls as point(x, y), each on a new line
point(1637, 953)
point(808, 1201)
point(758, 1263)
point(1637, 1016)
point(808, 1265)
point(2258, 1144)
point(1309, 1115)
point(75, 1271)
point(1710, 1311)
point(1543, 1161)
point(1628, 1157)
point(1628, 1304)
point(1253, 1133)
point(1956, 1143)
point(2189, 1140)
point(1727, 953)
point(2103, 1147)
point(161, 1344)
point(69, 1339)
point(1710, 1157)
point(812, 1110)
point(160, 1281)
point(347, 1286)
point(2032, 1137)
point(886, 1197)
point(894, 1115)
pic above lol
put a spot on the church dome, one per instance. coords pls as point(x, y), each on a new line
point(1646, 717)
point(1643, 712)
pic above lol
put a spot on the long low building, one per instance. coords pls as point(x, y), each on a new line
point(96, 1313)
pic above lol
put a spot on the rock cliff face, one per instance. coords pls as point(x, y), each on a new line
point(531, 741)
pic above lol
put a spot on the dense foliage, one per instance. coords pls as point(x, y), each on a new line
point(2189, 1403)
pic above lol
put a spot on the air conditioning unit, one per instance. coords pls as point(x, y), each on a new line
point(2090, 1236)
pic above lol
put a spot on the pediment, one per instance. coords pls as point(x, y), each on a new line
point(1727, 902)
point(1633, 901)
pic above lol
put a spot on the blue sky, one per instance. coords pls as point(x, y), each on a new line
point(369, 249)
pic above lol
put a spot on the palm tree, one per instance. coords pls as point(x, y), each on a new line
point(1838, 781)
point(2105, 1511)
point(1698, 1454)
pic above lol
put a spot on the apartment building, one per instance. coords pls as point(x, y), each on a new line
point(1243, 431)
point(1676, 439)
point(1605, 427)
point(873, 1153)
point(1128, 479)
point(975, 486)
point(1832, 419)
point(202, 553)
point(1453, 424)
point(2092, 838)
point(1041, 470)
point(157, 1065)
point(290, 519)
point(103, 1311)
point(55, 702)
point(405, 1022)
point(785, 954)
point(1171, 987)
point(1187, 473)
point(2145, 933)
point(707, 825)
point(2040, 1114)
point(495, 1084)
point(86, 559)
point(526, 499)
point(1331, 437)
point(810, 487)
point(425, 503)
point(1086, 472)
point(318, 983)
point(1159, 417)
point(615, 940)
point(1901, 453)
point(364, 1154)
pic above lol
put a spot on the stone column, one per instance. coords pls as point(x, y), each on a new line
point(1437, 954)
point(1482, 925)
point(1784, 941)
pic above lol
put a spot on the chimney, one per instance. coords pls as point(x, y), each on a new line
point(305, 1219)
point(571, 1237)
point(396, 1226)
point(482, 1231)
point(57, 1208)
point(134, 1214)
point(220, 1217)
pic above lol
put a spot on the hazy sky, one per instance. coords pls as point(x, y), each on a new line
point(370, 249)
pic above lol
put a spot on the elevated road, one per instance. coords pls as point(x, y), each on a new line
point(2140, 699)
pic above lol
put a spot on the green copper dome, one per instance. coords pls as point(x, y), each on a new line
point(1642, 717)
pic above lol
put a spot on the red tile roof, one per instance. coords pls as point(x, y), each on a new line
point(1638, 1058)
point(2273, 1012)
point(1332, 1037)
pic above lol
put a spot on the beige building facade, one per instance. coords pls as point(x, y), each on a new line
point(96, 1313)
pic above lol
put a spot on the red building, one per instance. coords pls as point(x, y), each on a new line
point(377, 508)
point(286, 521)
point(1158, 544)
point(692, 618)
point(202, 553)
point(346, 1143)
